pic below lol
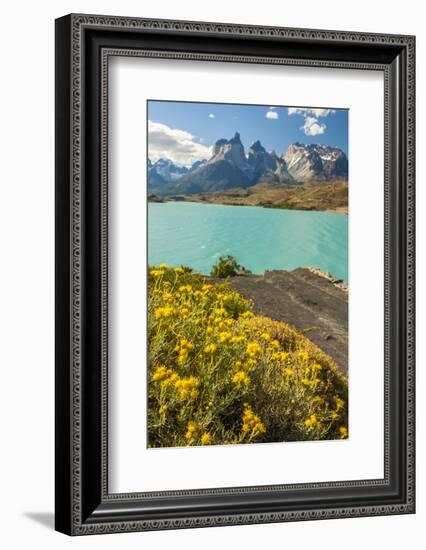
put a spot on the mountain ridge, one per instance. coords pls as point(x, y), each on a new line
point(229, 167)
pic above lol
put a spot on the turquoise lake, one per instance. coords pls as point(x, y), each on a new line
point(195, 235)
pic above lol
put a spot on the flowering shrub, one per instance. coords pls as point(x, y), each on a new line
point(218, 374)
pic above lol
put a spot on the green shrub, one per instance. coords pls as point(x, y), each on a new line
point(226, 266)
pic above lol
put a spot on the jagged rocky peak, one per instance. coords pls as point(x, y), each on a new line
point(267, 166)
point(315, 162)
point(231, 150)
point(257, 147)
point(259, 159)
point(217, 146)
point(236, 138)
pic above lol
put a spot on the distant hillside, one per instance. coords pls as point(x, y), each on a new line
point(308, 196)
point(229, 167)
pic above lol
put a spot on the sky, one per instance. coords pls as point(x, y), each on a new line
point(185, 132)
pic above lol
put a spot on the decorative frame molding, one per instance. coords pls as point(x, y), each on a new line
point(84, 44)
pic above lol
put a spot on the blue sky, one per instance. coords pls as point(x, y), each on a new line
point(184, 131)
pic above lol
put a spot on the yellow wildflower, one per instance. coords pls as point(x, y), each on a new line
point(210, 348)
point(303, 355)
point(206, 438)
point(247, 315)
point(191, 430)
point(170, 381)
point(168, 297)
point(252, 423)
point(179, 270)
point(312, 422)
point(209, 330)
point(187, 387)
point(241, 377)
point(339, 403)
point(184, 343)
point(156, 272)
point(164, 312)
point(237, 339)
point(182, 357)
point(253, 349)
point(160, 373)
point(265, 336)
point(224, 337)
point(185, 289)
point(163, 266)
point(238, 365)
point(289, 372)
point(343, 432)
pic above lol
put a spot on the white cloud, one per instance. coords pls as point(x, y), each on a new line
point(179, 146)
point(211, 115)
point(312, 127)
point(310, 112)
point(272, 115)
point(272, 108)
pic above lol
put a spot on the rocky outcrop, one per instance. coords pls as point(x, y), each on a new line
point(309, 301)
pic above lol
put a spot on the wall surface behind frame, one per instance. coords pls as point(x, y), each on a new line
point(26, 289)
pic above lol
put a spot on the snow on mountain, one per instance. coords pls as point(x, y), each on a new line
point(315, 162)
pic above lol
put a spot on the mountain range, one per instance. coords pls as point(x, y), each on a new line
point(230, 167)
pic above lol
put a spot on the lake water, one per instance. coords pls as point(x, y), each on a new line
point(195, 235)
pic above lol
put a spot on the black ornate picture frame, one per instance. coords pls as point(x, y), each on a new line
point(84, 43)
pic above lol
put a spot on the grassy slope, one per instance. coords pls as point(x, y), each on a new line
point(309, 196)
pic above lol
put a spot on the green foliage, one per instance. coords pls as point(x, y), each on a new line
point(226, 266)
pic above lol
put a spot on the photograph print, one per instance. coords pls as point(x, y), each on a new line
point(247, 273)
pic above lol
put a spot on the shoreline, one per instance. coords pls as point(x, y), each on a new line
point(310, 196)
point(338, 210)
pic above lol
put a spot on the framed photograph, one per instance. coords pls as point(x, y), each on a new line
point(234, 274)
